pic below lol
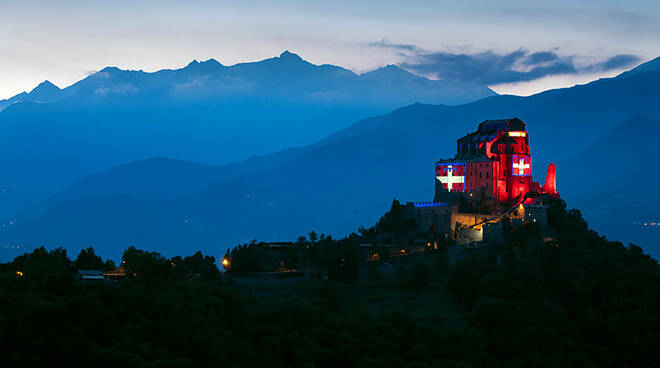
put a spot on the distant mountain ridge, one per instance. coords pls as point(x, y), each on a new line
point(349, 178)
point(44, 92)
point(205, 112)
point(212, 78)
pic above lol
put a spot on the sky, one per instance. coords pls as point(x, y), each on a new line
point(516, 47)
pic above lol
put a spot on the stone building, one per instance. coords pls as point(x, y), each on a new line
point(489, 179)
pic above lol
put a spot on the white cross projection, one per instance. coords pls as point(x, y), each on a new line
point(521, 166)
point(450, 179)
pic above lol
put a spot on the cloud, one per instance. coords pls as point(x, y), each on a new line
point(618, 62)
point(385, 43)
point(491, 68)
point(120, 88)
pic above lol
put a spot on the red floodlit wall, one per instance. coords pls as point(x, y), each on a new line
point(514, 174)
point(550, 185)
point(480, 175)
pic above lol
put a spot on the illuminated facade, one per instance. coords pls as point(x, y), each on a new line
point(486, 188)
point(493, 162)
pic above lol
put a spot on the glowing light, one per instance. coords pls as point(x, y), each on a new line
point(521, 165)
point(225, 262)
point(517, 134)
point(19, 274)
point(445, 175)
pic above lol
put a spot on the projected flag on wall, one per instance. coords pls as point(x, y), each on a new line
point(522, 165)
point(452, 176)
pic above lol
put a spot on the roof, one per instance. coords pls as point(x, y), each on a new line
point(463, 160)
point(119, 271)
point(92, 277)
point(90, 273)
point(514, 124)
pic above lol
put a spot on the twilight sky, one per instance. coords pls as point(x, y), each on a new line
point(517, 47)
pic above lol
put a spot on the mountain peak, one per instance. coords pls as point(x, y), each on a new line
point(109, 69)
point(44, 91)
point(44, 87)
point(389, 70)
point(207, 65)
point(289, 56)
point(636, 128)
point(639, 122)
point(210, 63)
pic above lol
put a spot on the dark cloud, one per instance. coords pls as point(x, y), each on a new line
point(540, 57)
point(618, 61)
point(385, 43)
point(491, 68)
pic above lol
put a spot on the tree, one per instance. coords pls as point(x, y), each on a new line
point(247, 258)
point(416, 278)
point(88, 260)
point(48, 271)
point(342, 260)
point(441, 261)
point(393, 222)
point(197, 264)
point(144, 265)
point(313, 236)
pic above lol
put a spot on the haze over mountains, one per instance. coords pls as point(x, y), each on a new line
point(349, 178)
point(204, 112)
point(621, 200)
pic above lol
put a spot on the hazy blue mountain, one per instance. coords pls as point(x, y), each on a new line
point(623, 160)
point(44, 92)
point(350, 178)
point(613, 181)
point(203, 112)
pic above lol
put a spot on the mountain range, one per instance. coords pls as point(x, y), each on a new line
point(597, 133)
point(205, 112)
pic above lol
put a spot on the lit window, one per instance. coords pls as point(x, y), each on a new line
point(517, 134)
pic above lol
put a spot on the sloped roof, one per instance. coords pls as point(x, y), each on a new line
point(505, 124)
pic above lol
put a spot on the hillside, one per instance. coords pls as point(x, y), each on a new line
point(578, 301)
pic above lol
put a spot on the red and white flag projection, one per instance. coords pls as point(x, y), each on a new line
point(452, 176)
point(522, 165)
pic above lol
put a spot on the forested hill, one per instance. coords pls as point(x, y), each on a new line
point(575, 302)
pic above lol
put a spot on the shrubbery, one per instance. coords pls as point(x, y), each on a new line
point(579, 301)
